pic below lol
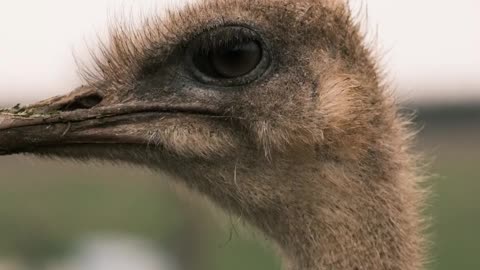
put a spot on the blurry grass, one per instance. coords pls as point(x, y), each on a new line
point(456, 212)
point(44, 206)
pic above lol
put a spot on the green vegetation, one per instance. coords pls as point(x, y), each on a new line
point(46, 206)
point(456, 216)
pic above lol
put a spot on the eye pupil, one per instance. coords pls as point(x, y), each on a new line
point(229, 61)
point(236, 61)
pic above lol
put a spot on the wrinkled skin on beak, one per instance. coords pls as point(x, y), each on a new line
point(26, 128)
point(80, 118)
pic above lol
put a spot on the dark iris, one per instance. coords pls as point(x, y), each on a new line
point(230, 60)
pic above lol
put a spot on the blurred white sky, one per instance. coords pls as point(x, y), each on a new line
point(431, 46)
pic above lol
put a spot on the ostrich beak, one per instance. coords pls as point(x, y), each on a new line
point(81, 117)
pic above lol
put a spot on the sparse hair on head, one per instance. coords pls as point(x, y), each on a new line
point(276, 110)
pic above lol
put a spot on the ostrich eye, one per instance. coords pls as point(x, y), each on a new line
point(228, 56)
point(229, 61)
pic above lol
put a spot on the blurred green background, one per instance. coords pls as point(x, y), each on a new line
point(49, 208)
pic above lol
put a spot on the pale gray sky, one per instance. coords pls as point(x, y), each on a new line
point(430, 46)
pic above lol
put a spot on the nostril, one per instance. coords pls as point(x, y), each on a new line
point(82, 102)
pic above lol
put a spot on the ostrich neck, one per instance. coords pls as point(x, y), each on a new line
point(326, 207)
point(348, 217)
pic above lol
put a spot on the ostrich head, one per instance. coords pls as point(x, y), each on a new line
point(272, 108)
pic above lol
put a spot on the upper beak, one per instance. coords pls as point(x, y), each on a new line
point(22, 128)
point(81, 118)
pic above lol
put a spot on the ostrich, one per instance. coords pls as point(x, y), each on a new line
point(274, 109)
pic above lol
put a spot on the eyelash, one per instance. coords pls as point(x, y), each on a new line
point(210, 39)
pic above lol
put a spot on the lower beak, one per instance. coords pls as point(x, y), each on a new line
point(81, 118)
